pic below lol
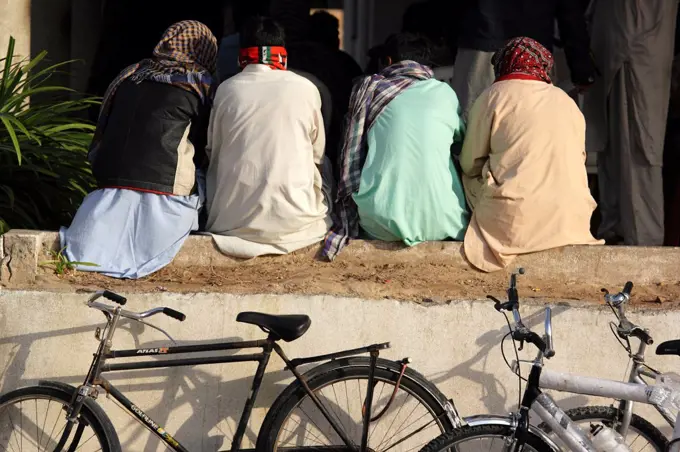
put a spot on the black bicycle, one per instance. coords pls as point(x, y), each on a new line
point(348, 403)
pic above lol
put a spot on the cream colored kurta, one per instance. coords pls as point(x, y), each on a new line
point(266, 141)
point(524, 173)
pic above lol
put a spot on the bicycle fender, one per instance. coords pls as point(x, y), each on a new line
point(448, 405)
point(504, 420)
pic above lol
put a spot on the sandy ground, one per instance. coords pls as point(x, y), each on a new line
point(423, 282)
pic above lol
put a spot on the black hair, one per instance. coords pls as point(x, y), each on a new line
point(408, 46)
point(325, 29)
point(262, 31)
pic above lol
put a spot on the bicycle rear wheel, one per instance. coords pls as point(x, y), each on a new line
point(486, 437)
point(34, 419)
point(642, 436)
point(408, 416)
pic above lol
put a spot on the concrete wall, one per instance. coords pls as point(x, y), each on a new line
point(15, 20)
point(456, 345)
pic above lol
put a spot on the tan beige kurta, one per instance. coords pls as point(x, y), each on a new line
point(524, 173)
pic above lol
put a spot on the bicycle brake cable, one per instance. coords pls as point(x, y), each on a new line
point(518, 372)
point(625, 346)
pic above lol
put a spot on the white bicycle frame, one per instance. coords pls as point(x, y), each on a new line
point(636, 390)
point(546, 408)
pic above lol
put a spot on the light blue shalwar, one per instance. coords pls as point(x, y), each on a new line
point(130, 234)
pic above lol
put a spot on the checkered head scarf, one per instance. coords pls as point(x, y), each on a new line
point(186, 57)
point(523, 58)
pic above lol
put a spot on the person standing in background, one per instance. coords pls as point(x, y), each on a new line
point(671, 161)
point(626, 110)
point(487, 25)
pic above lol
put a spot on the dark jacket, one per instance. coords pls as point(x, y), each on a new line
point(155, 135)
point(488, 24)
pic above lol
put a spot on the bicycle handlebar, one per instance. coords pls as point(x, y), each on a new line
point(114, 297)
point(521, 332)
point(626, 328)
point(92, 303)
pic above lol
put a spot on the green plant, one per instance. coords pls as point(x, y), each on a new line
point(44, 173)
point(61, 264)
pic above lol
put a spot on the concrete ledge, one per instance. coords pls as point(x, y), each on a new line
point(21, 252)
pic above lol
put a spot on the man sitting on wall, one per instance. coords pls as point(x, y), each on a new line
point(397, 178)
point(266, 149)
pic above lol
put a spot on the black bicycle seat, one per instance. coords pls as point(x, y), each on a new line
point(669, 348)
point(286, 327)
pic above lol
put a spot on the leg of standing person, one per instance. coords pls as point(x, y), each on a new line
point(472, 74)
point(609, 167)
point(641, 189)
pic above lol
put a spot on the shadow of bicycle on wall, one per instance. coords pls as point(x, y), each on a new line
point(496, 392)
point(215, 404)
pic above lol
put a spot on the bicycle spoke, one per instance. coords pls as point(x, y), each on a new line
point(409, 436)
point(399, 426)
point(13, 428)
point(93, 435)
point(42, 431)
point(314, 423)
point(382, 441)
point(316, 437)
point(61, 431)
point(53, 427)
point(347, 403)
point(337, 416)
point(21, 423)
point(375, 426)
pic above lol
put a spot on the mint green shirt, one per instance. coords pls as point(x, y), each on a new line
point(409, 189)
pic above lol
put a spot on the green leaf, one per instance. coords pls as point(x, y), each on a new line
point(10, 195)
point(83, 264)
point(44, 172)
point(13, 136)
point(8, 64)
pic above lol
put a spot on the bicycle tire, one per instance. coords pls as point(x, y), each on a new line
point(598, 413)
point(448, 440)
point(340, 370)
point(91, 412)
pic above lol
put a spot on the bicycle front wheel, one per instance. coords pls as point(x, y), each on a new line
point(406, 411)
point(34, 419)
point(486, 437)
point(641, 435)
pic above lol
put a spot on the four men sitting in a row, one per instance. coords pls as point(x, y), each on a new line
point(255, 153)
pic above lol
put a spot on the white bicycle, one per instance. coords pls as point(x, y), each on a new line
point(640, 434)
point(514, 433)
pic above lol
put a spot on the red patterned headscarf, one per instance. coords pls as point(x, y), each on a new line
point(523, 58)
point(276, 57)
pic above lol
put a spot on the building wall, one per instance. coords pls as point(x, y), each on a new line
point(456, 345)
point(15, 20)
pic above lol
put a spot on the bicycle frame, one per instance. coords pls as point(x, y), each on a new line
point(104, 353)
point(639, 370)
point(550, 413)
